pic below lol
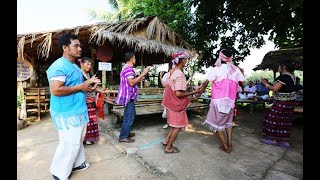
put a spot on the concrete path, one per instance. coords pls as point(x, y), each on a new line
point(200, 157)
point(37, 143)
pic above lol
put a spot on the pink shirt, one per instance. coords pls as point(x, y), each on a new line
point(225, 85)
point(177, 80)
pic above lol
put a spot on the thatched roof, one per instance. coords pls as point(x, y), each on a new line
point(272, 59)
point(148, 36)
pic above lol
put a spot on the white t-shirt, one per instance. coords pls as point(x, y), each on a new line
point(250, 89)
point(164, 77)
point(222, 72)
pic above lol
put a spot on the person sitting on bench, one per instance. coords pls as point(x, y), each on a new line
point(262, 91)
point(249, 91)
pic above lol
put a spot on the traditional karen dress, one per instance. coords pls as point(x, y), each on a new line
point(176, 107)
point(278, 121)
point(92, 133)
point(223, 96)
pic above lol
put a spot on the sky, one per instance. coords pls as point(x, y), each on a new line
point(41, 15)
point(44, 15)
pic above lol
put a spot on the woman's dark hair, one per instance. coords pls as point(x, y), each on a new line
point(82, 60)
point(290, 65)
point(85, 59)
point(227, 52)
point(159, 80)
point(128, 55)
point(170, 65)
point(65, 39)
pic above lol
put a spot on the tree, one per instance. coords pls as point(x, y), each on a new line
point(210, 25)
point(120, 11)
point(241, 24)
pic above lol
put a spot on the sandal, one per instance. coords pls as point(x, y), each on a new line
point(174, 150)
point(127, 140)
point(163, 144)
point(284, 145)
point(269, 142)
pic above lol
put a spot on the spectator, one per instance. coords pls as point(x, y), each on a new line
point(249, 91)
point(262, 91)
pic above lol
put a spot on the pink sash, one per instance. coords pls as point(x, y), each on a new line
point(172, 102)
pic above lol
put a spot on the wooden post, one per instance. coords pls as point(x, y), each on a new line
point(93, 58)
point(104, 79)
point(142, 68)
point(39, 109)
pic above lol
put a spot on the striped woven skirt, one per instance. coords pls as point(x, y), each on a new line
point(92, 133)
point(278, 121)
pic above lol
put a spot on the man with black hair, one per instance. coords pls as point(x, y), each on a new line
point(68, 108)
point(128, 94)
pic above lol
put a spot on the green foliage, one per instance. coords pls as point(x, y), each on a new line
point(238, 25)
point(257, 75)
point(241, 24)
point(20, 99)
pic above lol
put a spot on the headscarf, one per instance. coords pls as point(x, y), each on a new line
point(232, 68)
point(179, 55)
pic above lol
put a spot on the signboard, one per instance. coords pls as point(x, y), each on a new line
point(24, 70)
point(104, 66)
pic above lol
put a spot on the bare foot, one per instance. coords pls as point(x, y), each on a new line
point(230, 146)
point(225, 148)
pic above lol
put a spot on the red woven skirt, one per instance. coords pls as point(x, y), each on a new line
point(92, 133)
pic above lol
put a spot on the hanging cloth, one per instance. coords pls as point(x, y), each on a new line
point(99, 105)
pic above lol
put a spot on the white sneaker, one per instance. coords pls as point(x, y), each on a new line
point(165, 126)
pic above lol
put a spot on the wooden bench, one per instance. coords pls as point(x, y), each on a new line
point(112, 94)
point(150, 108)
point(37, 100)
point(150, 91)
point(252, 102)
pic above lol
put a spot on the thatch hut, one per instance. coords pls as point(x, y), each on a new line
point(151, 39)
point(272, 59)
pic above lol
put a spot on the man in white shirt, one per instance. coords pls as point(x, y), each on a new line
point(249, 91)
